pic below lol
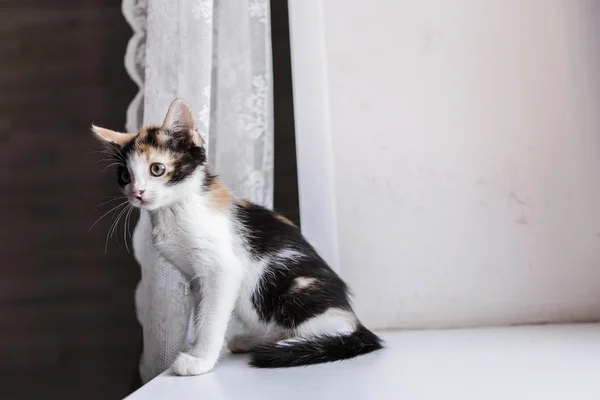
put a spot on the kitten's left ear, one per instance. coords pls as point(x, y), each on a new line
point(109, 136)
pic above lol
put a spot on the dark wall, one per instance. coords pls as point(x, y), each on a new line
point(286, 180)
point(67, 318)
point(67, 321)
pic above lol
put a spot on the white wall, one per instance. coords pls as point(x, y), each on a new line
point(465, 156)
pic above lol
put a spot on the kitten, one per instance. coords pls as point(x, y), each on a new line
point(241, 259)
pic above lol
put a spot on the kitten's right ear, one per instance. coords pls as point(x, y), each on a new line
point(106, 135)
point(180, 118)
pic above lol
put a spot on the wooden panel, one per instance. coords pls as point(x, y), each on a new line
point(286, 173)
point(67, 321)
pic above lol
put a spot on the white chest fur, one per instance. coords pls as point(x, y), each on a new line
point(192, 236)
point(203, 243)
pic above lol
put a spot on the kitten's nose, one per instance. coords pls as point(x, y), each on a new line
point(137, 193)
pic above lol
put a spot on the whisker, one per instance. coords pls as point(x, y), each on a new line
point(113, 228)
point(129, 223)
point(110, 200)
point(116, 221)
point(105, 214)
point(109, 165)
point(115, 215)
point(111, 151)
point(112, 156)
point(125, 228)
point(97, 152)
point(112, 225)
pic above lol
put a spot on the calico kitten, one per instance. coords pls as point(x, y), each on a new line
point(243, 259)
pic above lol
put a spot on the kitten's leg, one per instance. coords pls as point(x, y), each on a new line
point(215, 298)
point(242, 343)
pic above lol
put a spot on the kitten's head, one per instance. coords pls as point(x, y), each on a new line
point(158, 165)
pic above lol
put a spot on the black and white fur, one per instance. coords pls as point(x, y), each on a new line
point(242, 259)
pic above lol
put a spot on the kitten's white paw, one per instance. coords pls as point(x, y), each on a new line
point(241, 343)
point(186, 365)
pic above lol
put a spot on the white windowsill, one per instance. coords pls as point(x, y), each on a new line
point(511, 363)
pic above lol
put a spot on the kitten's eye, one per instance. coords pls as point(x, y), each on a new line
point(157, 169)
point(125, 176)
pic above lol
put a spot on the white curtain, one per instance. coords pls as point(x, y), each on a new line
point(216, 55)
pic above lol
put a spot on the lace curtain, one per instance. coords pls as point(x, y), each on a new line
point(216, 55)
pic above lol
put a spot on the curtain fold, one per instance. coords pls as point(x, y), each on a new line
point(216, 55)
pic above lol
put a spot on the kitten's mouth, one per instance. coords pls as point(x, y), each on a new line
point(139, 203)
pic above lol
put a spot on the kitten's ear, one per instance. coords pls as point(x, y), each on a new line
point(106, 135)
point(181, 125)
point(179, 117)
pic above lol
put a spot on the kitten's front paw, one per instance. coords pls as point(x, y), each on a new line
point(186, 365)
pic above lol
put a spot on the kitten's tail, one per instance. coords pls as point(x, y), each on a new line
point(321, 349)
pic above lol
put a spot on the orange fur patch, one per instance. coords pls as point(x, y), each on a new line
point(161, 137)
point(142, 148)
point(197, 139)
point(284, 220)
point(112, 136)
point(220, 196)
point(143, 133)
point(302, 282)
